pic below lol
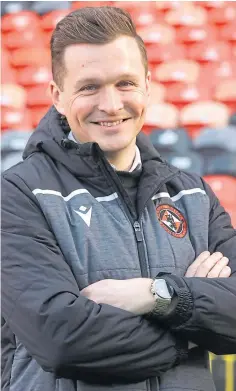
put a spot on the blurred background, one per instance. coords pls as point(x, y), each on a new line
point(191, 119)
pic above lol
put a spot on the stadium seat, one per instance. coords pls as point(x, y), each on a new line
point(162, 116)
point(226, 92)
point(232, 119)
point(214, 142)
point(15, 119)
point(50, 20)
point(182, 94)
point(37, 114)
point(224, 164)
point(224, 187)
point(210, 52)
point(171, 140)
point(209, 5)
point(20, 21)
point(223, 15)
point(145, 16)
point(157, 33)
point(162, 53)
point(182, 71)
point(13, 95)
point(11, 7)
point(186, 16)
point(188, 161)
point(165, 6)
point(26, 39)
point(31, 76)
point(201, 114)
point(43, 7)
point(8, 74)
point(38, 96)
point(228, 32)
point(31, 57)
point(194, 34)
point(157, 93)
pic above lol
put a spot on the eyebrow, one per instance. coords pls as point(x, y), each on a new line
point(94, 80)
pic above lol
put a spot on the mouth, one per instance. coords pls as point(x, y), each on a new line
point(110, 124)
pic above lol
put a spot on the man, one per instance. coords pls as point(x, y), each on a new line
point(92, 217)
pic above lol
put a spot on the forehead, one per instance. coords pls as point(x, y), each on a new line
point(122, 56)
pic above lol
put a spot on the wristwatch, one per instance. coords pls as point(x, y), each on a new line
point(163, 293)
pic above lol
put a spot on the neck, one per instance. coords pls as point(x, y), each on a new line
point(122, 160)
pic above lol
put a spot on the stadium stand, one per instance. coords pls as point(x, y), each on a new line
point(191, 118)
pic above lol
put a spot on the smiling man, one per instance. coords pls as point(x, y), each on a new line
point(118, 270)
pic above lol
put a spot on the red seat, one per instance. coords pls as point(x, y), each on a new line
point(37, 114)
point(157, 33)
point(162, 53)
point(13, 95)
point(31, 57)
point(223, 15)
point(224, 187)
point(182, 94)
point(165, 6)
point(50, 20)
point(201, 114)
point(226, 92)
point(228, 32)
point(186, 16)
point(177, 71)
point(162, 116)
point(194, 34)
point(19, 21)
point(31, 76)
point(38, 96)
point(26, 39)
point(15, 119)
point(207, 52)
point(212, 4)
point(157, 93)
point(145, 16)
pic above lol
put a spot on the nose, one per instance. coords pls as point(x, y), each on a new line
point(110, 101)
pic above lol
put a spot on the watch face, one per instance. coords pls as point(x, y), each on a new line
point(161, 289)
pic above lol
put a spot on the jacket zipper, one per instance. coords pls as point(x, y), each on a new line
point(138, 234)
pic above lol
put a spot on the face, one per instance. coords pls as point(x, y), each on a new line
point(105, 93)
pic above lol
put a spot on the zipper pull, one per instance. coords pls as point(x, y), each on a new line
point(138, 233)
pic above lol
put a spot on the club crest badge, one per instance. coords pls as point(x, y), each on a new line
point(172, 220)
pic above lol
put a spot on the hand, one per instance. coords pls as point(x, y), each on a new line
point(210, 266)
point(132, 295)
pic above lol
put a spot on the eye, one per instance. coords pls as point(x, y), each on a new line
point(90, 87)
point(126, 83)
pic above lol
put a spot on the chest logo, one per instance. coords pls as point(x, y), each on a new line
point(85, 214)
point(172, 220)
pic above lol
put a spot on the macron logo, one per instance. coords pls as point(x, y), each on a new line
point(85, 214)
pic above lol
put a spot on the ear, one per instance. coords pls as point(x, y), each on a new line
point(57, 97)
point(148, 85)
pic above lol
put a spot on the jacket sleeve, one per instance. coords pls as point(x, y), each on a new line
point(206, 309)
point(62, 330)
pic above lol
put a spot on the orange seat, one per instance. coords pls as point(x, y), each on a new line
point(37, 114)
point(212, 4)
point(30, 57)
point(165, 6)
point(207, 52)
point(26, 39)
point(213, 73)
point(157, 33)
point(145, 16)
point(203, 114)
point(15, 119)
point(50, 20)
point(162, 116)
point(157, 93)
point(222, 15)
point(226, 92)
point(182, 94)
point(38, 96)
point(19, 21)
point(170, 72)
point(186, 16)
point(194, 34)
point(224, 187)
point(13, 95)
point(8, 75)
point(31, 76)
point(162, 53)
point(228, 32)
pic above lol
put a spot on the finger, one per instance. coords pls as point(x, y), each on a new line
point(194, 266)
point(209, 263)
point(226, 272)
point(217, 269)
